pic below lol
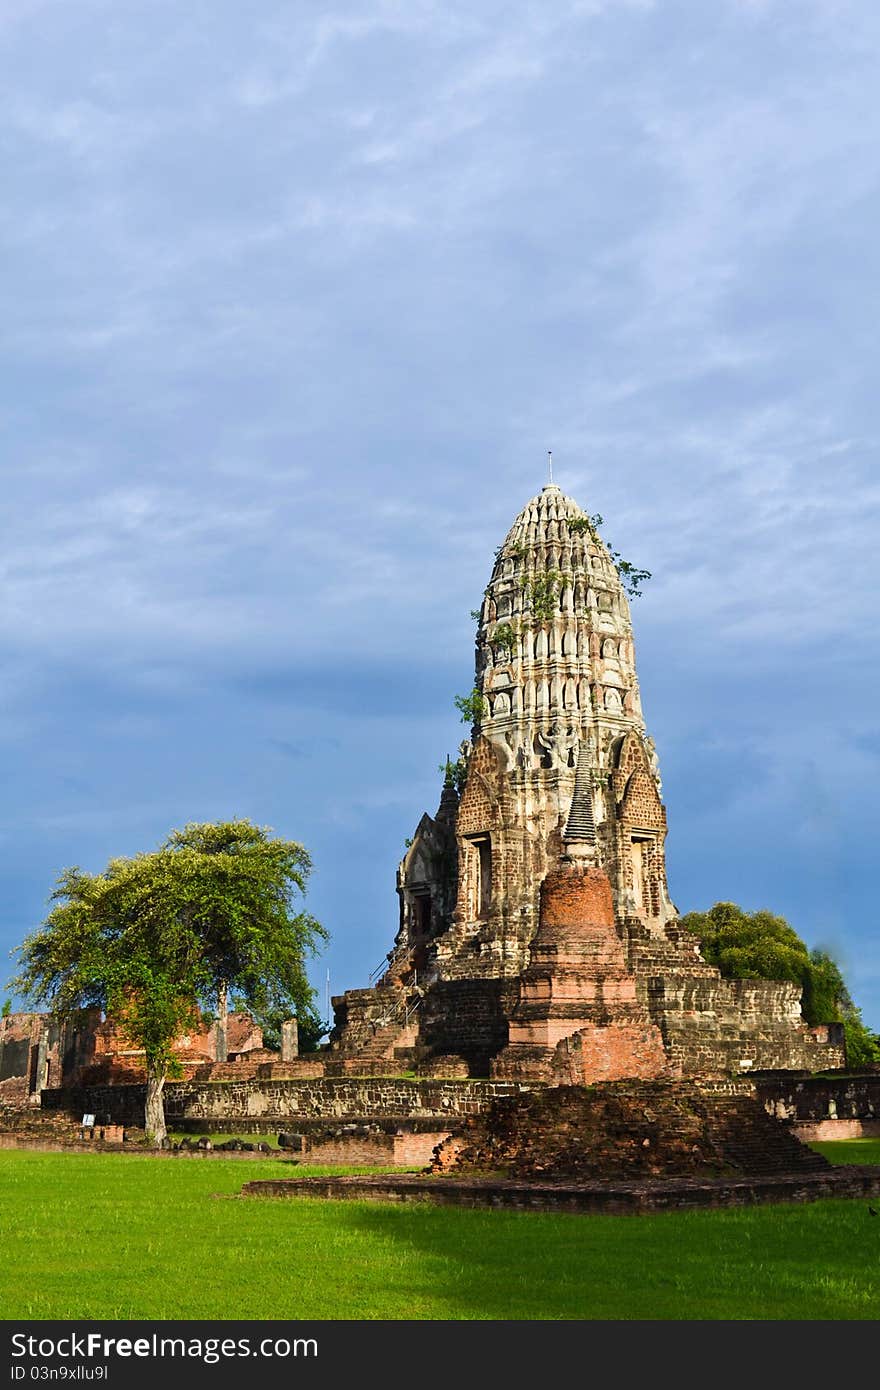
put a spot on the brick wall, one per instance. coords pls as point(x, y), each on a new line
point(273, 1101)
point(467, 1018)
point(25, 1039)
point(402, 1150)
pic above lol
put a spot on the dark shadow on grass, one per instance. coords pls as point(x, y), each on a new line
point(487, 1264)
point(729, 1264)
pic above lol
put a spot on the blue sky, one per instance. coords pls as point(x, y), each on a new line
point(295, 299)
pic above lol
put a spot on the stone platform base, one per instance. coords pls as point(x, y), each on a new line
point(622, 1198)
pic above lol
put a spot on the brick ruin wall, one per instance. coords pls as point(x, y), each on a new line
point(36, 1052)
point(349, 1098)
point(106, 1055)
point(578, 1017)
point(19, 1035)
point(32, 1051)
point(468, 1019)
point(365, 1122)
point(247, 1105)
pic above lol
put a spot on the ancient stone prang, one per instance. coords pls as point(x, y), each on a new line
point(536, 934)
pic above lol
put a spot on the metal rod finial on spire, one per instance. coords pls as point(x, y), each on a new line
point(550, 464)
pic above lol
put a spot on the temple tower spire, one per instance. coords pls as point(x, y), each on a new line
point(559, 765)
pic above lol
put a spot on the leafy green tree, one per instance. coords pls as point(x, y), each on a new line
point(749, 945)
point(246, 883)
point(760, 945)
point(827, 999)
point(152, 940)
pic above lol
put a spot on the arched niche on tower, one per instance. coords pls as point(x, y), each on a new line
point(421, 883)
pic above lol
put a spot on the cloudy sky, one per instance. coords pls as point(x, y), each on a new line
point(295, 299)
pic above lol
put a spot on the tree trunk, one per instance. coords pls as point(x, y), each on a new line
point(222, 1022)
point(154, 1122)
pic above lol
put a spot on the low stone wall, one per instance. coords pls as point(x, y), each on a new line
point(836, 1129)
point(404, 1150)
point(629, 1198)
point(285, 1101)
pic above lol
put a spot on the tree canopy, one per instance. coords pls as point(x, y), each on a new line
point(760, 945)
point(155, 939)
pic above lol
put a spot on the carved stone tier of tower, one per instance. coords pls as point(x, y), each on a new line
point(558, 784)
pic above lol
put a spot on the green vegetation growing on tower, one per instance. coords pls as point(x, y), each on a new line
point(759, 945)
point(472, 707)
point(585, 525)
point(541, 593)
point(631, 577)
point(504, 638)
point(454, 773)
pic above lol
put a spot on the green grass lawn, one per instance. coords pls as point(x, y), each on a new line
point(118, 1236)
point(850, 1150)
